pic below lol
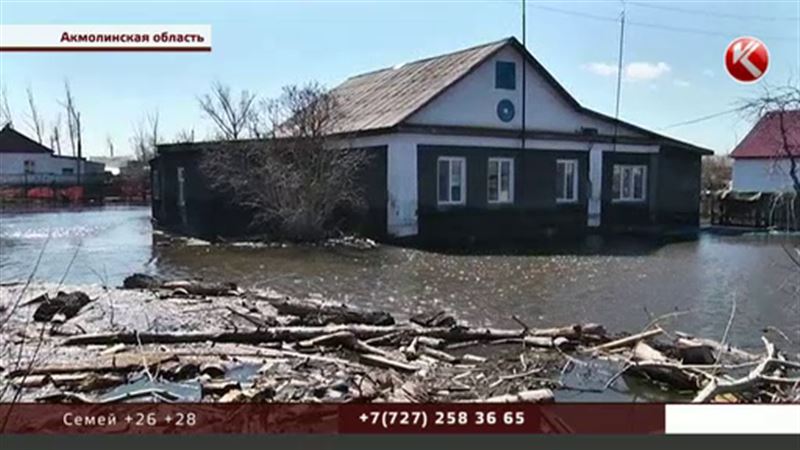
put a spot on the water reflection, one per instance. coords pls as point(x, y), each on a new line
point(621, 283)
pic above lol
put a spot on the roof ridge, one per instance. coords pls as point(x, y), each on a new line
point(429, 58)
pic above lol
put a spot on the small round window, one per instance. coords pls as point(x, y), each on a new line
point(505, 110)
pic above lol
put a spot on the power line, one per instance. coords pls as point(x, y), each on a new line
point(719, 15)
point(657, 26)
point(702, 119)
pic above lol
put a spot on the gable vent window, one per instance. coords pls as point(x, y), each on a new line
point(505, 75)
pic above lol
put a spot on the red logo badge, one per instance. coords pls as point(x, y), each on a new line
point(746, 59)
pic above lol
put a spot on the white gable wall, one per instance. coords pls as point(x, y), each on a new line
point(47, 168)
point(473, 102)
point(761, 175)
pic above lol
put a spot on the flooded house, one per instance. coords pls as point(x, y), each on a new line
point(32, 171)
point(25, 162)
point(479, 143)
point(763, 192)
point(761, 161)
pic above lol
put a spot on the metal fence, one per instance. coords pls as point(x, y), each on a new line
point(51, 179)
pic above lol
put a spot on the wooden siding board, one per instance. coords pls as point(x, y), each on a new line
point(212, 214)
point(533, 212)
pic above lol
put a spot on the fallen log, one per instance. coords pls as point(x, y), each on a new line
point(291, 334)
point(440, 355)
point(533, 396)
point(718, 386)
point(345, 339)
point(144, 281)
point(627, 341)
point(202, 287)
point(387, 363)
point(126, 362)
point(434, 319)
point(665, 372)
point(643, 352)
point(575, 331)
point(725, 352)
point(320, 313)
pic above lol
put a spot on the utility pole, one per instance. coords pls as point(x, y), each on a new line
point(619, 72)
point(524, 70)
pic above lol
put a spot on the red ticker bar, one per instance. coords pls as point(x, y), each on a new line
point(366, 418)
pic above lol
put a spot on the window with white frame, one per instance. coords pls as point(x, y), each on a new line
point(452, 180)
point(500, 180)
point(566, 180)
point(629, 183)
point(29, 166)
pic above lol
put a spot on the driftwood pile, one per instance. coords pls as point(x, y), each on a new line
point(312, 350)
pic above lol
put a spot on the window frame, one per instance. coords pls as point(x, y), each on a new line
point(632, 197)
point(497, 66)
point(500, 160)
point(29, 166)
point(562, 186)
point(463, 186)
point(181, 179)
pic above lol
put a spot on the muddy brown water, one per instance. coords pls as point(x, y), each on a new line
point(620, 283)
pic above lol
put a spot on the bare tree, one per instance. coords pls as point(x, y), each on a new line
point(716, 172)
point(36, 122)
point(299, 180)
point(110, 145)
point(74, 128)
point(145, 137)
point(5, 110)
point(55, 136)
point(779, 102)
point(185, 136)
point(231, 116)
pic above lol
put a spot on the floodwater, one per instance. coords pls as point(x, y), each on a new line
point(621, 283)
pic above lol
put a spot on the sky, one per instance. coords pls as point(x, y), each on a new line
point(673, 56)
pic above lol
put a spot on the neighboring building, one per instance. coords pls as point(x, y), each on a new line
point(25, 162)
point(761, 161)
point(115, 165)
point(453, 158)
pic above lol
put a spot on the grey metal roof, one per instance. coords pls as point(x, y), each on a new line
point(384, 98)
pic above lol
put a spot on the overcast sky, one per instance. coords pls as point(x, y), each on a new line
point(673, 56)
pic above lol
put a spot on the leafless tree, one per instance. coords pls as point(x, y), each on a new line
point(74, 128)
point(231, 116)
point(185, 136)
point(110, 145)
point(716, 172)
point(780, 102)
point(298, 179)
point(145, 137)
point(5, 110)
point(55, 136)
point(36, 124)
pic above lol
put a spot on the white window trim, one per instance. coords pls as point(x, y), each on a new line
point(499, 162)
point(449, 160)
point(644, 184)
point(181, 187)
point(574, 163)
